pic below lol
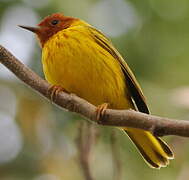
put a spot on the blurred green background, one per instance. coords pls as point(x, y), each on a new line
point(38, 140)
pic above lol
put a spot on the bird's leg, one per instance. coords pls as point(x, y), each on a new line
point(100, 111)
point(54, 90)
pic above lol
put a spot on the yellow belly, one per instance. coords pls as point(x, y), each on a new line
point(84, 68)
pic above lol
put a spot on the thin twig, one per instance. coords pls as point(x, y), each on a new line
point(85, 141)
point(159, 126)
point(116, 157)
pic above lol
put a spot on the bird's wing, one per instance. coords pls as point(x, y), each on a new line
point(134, 87)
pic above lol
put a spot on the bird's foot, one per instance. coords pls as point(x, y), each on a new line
point(54, 90)
point(100, 111)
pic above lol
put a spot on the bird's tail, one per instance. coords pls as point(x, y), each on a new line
point(154, 150)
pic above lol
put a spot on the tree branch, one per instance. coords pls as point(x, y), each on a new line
point(159, 126)
point(117, 164)
point(85, 142)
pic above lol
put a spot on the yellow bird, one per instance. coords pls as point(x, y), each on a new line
point(82, 60)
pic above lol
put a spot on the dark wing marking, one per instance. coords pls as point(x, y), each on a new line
point(134, 87)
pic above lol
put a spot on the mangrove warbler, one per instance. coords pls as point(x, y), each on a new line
point(80, 59)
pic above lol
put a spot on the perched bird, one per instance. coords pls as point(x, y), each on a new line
point(80, 59)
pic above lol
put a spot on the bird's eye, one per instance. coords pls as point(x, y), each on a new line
point(54, 22)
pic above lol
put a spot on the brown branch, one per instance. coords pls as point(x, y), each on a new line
point(159, 126)
point(116, 157)
point(85, 141)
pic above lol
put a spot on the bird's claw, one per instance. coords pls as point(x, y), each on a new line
point(54, 90)
point(100, 111)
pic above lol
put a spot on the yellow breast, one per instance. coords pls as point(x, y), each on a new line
point(72, 59)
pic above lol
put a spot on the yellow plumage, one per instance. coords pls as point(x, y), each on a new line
point(83, 61)
point(84, 68)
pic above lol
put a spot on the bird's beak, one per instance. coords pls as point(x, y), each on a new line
point(32, 29)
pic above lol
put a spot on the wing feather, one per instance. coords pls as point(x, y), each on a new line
point(134, 87)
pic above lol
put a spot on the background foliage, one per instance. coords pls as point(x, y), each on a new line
point(38, 141)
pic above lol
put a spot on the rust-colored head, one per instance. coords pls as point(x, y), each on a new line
point(50, 26)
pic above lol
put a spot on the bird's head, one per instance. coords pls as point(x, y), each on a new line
point(50, 26)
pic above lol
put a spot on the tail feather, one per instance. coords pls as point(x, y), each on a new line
point(154, 150)
point(166, 148)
